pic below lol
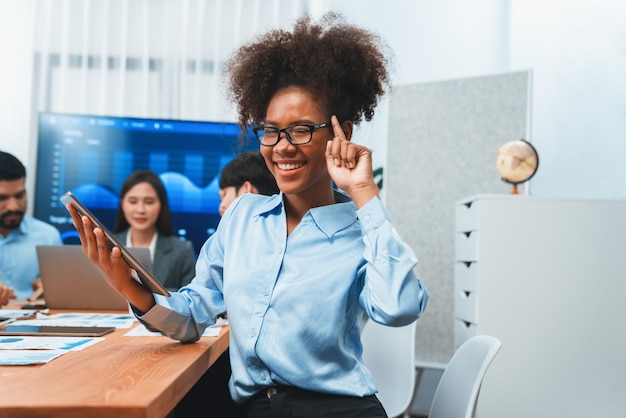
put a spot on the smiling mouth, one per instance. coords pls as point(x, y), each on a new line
point(290, 166)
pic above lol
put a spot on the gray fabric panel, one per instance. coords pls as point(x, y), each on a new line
point(442, 146)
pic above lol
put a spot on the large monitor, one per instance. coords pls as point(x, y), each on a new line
point(91, 156)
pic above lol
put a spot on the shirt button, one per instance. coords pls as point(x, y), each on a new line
point(262, 376)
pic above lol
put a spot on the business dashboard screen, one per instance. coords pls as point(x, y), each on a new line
point(92, 156)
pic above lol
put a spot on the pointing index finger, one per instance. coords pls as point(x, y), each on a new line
point(337, 131)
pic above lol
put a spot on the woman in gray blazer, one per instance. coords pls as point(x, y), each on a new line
point(144, 220)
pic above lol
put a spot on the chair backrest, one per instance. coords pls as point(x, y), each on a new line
point(389, 353)
point(459, 386)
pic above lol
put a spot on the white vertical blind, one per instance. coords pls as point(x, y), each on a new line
point(84, 57)
point(144, 34)
point(100, 92)
point(145, 58)
point(42, 45)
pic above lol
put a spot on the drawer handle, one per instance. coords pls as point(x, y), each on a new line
point(467, 324)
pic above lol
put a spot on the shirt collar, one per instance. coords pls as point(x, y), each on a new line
point(24, 225)
point(274, 202)
point(329, 219)
point(21, 230)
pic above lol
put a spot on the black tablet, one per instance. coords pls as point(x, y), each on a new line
point(139, 271)
point(53, 330)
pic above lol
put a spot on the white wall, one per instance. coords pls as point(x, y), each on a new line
point(577, 50)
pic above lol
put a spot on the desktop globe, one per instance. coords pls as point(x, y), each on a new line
point(517, 162)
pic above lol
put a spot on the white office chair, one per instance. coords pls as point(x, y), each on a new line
point(389, 353)
point(457, 392)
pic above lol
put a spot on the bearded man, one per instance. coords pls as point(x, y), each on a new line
point(19, 235)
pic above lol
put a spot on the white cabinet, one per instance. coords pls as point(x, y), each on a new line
point(548, 278)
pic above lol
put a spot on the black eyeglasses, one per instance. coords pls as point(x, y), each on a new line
point(298, 134)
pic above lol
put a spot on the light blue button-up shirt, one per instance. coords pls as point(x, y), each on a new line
point(18, 256)
point(295, 302)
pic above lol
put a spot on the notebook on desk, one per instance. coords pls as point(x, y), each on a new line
point(71, 281)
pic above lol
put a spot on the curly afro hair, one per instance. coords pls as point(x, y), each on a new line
point(342, 65)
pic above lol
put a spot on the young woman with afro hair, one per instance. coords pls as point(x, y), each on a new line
point(297, 271)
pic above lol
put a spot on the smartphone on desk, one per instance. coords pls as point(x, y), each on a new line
point(140, 272)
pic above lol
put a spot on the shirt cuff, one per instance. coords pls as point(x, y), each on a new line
point(372, 215)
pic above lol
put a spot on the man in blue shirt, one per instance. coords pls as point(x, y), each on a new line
point(19, 234)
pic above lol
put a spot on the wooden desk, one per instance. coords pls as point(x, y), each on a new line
point(119, 377)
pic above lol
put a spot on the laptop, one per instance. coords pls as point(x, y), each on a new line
point(72, 281)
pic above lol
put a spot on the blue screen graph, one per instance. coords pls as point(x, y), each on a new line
point(92, 156)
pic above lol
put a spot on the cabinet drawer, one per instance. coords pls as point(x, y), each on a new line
point(465, 306)
point(466, 276)
point(463, 331)
point(466, 246)
point(467, 216)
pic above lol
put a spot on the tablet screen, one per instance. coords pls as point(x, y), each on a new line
point(140, 272)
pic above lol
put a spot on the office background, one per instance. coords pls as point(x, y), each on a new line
point(161, 58)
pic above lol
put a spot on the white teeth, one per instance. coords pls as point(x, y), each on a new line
point(289, 166)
